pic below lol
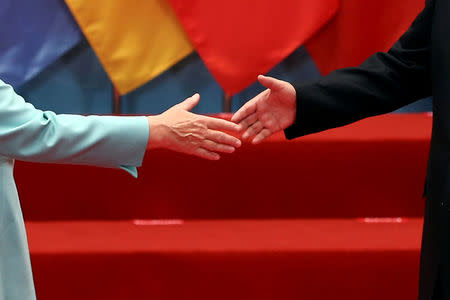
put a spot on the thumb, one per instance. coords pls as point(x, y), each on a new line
point(271, 83)
point(190, 102)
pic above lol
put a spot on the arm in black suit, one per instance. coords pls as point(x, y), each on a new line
point(383, 83)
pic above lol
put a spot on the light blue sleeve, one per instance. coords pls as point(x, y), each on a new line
point(29, 134)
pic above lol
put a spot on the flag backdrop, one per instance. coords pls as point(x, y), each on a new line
point(34, 34)
point(238, 39)
point(361, 28)
point(134, 41)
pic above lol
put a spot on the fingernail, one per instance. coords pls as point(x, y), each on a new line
point(238, 143)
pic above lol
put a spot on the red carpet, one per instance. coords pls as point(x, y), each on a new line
point(271, 259)
point(275, 221)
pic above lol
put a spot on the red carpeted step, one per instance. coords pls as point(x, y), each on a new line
point(241, 259)
point(372, 168)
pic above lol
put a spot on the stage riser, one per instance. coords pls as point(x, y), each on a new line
point(374, 168)
point(239, 276)
point(280, 179)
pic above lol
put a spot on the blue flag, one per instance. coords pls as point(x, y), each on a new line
point(33, 34)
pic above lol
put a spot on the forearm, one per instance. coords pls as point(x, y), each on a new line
point(383, 83)
point(30, 134)
point(349, 95)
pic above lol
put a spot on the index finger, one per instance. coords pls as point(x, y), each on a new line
point(248, 108)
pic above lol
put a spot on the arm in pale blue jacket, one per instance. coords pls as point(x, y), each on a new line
point(27, 133)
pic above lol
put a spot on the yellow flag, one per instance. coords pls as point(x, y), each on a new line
point(134, 40)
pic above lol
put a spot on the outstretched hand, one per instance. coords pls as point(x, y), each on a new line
point(271, 111)
point(180, 130)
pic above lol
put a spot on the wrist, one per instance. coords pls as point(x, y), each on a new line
point(156, 138)
point(292, 113)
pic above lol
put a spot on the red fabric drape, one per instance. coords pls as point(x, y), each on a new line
point(361, 28)
point(238, 40)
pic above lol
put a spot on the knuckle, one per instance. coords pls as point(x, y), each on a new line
point(206, 143)
point(193, 139)
point(190, 138)
point(203, 132)
point(200, 153)
point(201, 123)
point(220, 137)
point(197, 125)
point(215, 146)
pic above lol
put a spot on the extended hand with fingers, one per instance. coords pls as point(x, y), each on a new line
point(270, 111)
point(179, 130)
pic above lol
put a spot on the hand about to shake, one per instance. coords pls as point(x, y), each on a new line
point(271, 111)
point(179, 130)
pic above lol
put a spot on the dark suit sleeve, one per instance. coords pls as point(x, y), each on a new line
point(383, 83)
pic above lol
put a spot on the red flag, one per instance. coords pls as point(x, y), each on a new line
point(361, 28)
point(238, 39)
